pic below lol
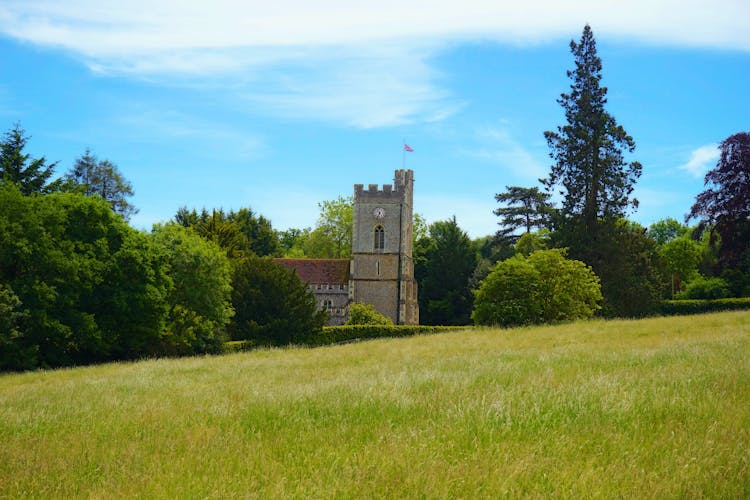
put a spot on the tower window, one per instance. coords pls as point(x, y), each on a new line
point(328, 305)
point(379, 238)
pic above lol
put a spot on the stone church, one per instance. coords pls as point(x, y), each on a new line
point(381, 270)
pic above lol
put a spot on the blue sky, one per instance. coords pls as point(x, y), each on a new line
point(280, 105)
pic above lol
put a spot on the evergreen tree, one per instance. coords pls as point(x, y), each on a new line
point(103, 178)
point(596, 184)
point(526, 209)
point(30, 175)
point(443, 266)
point(273, 306)
point(588, 150)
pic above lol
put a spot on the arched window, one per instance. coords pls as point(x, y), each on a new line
point(328, 304)
point(379, 238)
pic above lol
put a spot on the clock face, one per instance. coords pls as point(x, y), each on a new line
point(379, 212)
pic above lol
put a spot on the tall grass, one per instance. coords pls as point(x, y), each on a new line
point(657, 408)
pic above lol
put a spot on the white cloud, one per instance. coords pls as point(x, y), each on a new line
point(701, 160)
point(365, 64)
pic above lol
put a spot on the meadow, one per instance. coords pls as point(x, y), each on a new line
point(651, 408)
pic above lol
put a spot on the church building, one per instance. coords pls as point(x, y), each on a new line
point(381, 270)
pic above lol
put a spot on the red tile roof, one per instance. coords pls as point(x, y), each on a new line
point(314, 271)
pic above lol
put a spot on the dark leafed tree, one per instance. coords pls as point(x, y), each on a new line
point(588, 150)
point(526, 208)
point(725, 205)
point(103, 178)
point(444, 263)
point(29, 174)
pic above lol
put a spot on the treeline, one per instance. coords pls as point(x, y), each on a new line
point(507, 279)
point(79, 285)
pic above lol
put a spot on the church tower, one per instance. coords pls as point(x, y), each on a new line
point(382, 272)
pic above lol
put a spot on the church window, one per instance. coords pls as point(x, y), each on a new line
point(328, 304)
point(379, 238)
point(377, 267)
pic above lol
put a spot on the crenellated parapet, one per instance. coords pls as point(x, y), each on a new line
point(403, 179)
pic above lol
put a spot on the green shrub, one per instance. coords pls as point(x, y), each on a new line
point(705, 289)
point(544, 287)
point(682, 307)
point(365, 314)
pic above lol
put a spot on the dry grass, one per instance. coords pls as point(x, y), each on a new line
point(654, 408)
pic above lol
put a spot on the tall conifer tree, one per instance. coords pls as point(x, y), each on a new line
point(29, 174)
point(588, 150)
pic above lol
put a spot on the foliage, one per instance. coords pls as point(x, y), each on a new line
point(527, 208)
point(15, 354)
point(420, 228)
point(725, 205)
point(335, 225)
point(569, 289)
point(704, 288)
point(273, 306)
point(681, 257)
point(697, 306)
point(88, 287)
point(627, 262)
point(350, 333)
point(200, 301)
point(542, 288)
point(443, 266)
point(509, 295)
point(262, 239)
point(365, 314)
point(102, 177)
point(529, 243)
point(19, 168)
point(588, 150)
point(238, 233)
point(665, 230)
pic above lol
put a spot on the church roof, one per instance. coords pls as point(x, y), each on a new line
point(323, 271)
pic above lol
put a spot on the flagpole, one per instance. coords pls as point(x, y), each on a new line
point(403, 153)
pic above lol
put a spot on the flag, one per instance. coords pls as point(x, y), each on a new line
point(408, 148)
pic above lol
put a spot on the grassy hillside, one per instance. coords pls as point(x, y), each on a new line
point(659, 407)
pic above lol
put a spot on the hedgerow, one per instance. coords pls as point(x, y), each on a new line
point(680, 307)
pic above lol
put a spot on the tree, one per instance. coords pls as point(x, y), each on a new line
point(225, 233)
point(273, 306)
point(627, 261)
point(335, 225)
point(681, 257)
point(724, 208)
point(544, 287)
point(443, 266)
point(103, 178)
point(200, 306)
point(529, 243)
point(238, 233)
point(665, 230)
point(83, 286)
point(261, 237)
point(30, 175)
point(588, 150)
point(526, 208)
point(365, 314)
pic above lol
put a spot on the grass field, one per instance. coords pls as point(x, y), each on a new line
point(651, 408)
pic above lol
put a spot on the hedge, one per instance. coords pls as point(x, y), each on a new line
point(350, 333)
point(675, 307)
